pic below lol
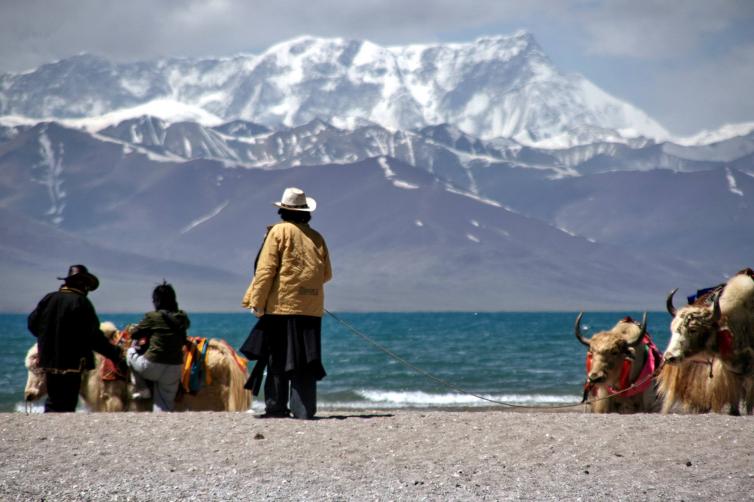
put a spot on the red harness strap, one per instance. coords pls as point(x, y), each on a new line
point(625, 375)
point(109, 371)
point(644, 379)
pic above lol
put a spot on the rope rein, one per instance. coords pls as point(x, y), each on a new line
point(461, 390)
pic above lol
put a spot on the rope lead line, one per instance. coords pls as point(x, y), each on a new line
point(450, 385)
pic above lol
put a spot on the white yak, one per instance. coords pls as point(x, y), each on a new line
point(710, 356)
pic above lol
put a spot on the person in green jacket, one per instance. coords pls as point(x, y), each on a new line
point(161, 364)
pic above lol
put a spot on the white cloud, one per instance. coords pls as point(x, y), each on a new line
point(656, 28)
point(35, 31)
point(709, 93)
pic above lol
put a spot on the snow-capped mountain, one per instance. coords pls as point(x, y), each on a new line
point(423, 236)
point(494, 87)
point(449, 176)
point(400, 237)
point(442, 150)
point(714, 136)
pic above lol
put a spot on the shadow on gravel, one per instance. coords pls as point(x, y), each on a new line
point(344, 417)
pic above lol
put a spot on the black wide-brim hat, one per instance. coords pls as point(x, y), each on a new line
point(81, 272)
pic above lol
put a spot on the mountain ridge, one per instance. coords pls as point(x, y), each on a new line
point(501, 86)
point(432, 239)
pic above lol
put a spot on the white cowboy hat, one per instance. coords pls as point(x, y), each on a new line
point(295, 199)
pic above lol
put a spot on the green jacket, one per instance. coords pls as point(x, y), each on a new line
point(167, 334)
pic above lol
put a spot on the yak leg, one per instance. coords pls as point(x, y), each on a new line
point(114, 394)
point(748, 382)
point(748, 393)
point(91, 388)
point(734, 411)
point(668, 402)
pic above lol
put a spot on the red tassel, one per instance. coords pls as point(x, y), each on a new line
point(725, 343)
point(625, 374)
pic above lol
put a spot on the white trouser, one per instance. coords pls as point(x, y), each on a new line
point(166, 378)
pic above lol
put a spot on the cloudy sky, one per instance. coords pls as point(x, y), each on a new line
point(688, 63)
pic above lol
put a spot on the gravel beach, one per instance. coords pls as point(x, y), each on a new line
point(376, 455)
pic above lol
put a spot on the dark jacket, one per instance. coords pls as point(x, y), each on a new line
point(67, 331)
point(167, 334)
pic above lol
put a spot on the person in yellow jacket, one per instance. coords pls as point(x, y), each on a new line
point(287, 295)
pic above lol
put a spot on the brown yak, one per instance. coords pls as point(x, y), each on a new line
point(710, 355)
point(224, 392)
point(617, 360)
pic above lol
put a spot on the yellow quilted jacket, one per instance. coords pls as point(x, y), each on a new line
point(291, 271)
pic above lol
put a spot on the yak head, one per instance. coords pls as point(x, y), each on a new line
point(692, 329)
point(110, 330)
point(608, 349)
point(36, 382)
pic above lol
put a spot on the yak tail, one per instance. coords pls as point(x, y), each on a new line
point(239, 399)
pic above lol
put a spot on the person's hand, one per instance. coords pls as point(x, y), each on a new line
point(257, 312)
point(122, 365)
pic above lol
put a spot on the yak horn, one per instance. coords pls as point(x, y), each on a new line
point(669, 303)
point(716, 312)
point(642, 332)
point(577, 330)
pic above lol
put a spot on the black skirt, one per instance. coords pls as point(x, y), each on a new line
point(288, 344)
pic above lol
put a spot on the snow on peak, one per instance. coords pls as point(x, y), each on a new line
point(390, 175)
point(51, 166)
point(492, 87)
point(205, 218)
point(732, 185)
point(708, 137)
point(167, 110)
point(16, 121)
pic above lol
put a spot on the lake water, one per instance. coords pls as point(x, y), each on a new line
point(517, 358)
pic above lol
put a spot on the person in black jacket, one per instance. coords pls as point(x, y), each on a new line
point(67, 330)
